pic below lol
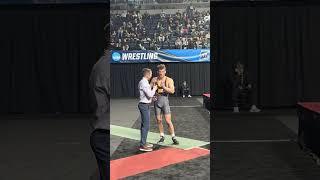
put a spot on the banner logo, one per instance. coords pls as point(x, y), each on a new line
point(116, 56)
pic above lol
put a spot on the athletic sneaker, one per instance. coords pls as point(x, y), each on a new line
point(183, 96)
point(145, 148)
point(149, 145)
point(175, 141)
point(255, 110)
point(161, 140)
point(189, 96)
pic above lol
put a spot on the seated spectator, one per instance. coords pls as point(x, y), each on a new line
point(185, 90)
point(241, 84)
point(141, 47)
point(125, 47)
point(178, 43)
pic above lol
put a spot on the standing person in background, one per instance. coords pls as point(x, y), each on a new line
point(99, 89)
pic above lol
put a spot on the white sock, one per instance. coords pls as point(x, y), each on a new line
point(173, 135)
point(161, 134)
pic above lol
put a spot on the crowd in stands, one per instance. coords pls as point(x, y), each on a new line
point(189, 29)
point(156, 1)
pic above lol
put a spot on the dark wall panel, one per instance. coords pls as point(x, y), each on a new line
point(279, 45)
point(125, 77)
point(46, 56)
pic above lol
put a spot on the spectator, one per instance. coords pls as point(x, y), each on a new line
point(184, 43)
point(185, 90)
point(178, 43)
point(161, 38)
point(125, 47)
point(241, 84)
point(141, 47)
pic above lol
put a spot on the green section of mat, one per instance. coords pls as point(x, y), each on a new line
point(153, 138)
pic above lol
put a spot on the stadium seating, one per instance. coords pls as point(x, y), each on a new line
point(190, 28)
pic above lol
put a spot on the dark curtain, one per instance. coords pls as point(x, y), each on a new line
point(47, 52)
point(125, 77)
point(50, 1)
point(277, 42)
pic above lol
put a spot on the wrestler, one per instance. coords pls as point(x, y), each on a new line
point(161, 102)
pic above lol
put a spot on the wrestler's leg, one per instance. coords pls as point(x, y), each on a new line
point(159, 122)
point(169, 123)
point(167, 116)
point(158, 114)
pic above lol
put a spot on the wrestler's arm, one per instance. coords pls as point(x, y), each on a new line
point(170, 89)
point(152, 82)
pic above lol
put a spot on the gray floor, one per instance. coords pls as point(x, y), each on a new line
point(57, 147)
point(46, 147)
point(191, 120)
point(237, 157)
point(292, 122)
point(123, 112)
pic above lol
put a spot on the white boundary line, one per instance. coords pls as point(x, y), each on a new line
point(203, 148)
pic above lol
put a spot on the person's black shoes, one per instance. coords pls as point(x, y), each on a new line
point(175, 141)
point(161, 140)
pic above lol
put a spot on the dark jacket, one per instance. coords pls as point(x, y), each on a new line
point(184, 87)
point(99, 84)
point(236, 80)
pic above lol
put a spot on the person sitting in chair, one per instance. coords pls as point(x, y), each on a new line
point(241, 85)
point(185, 90)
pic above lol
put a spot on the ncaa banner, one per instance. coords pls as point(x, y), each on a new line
point(172, 55)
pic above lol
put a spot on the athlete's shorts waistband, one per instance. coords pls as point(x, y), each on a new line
point(163, 94)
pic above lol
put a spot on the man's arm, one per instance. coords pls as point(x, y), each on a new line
point(170, 89)
point(100, 98)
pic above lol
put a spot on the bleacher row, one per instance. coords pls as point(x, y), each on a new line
point(151, 1)
point(183, 30)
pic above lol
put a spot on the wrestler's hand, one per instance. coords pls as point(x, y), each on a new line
point(154, 98)
point(163, 85)
point(154, 80)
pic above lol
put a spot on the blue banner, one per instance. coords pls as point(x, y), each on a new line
point(172, 55)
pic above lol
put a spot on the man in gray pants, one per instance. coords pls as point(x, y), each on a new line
point(146, 95)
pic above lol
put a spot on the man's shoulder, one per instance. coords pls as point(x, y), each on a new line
point(143, 82)
point(102, 64)
point(169, 79)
